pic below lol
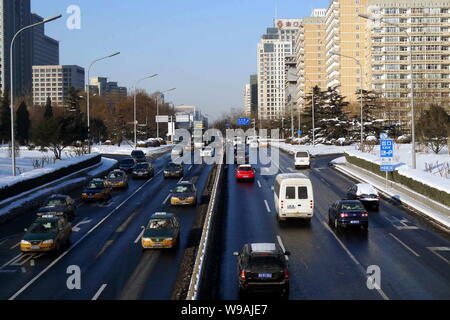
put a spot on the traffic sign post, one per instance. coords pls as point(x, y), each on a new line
point(299, 132)
point(386, 155)
point(243, 121)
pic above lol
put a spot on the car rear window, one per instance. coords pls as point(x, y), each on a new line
point(245, 169)
point(262, 262)
point(55, 202)
point(290, 192)
point(302, 155)
point(302, 193)
point(352, 206)
point(137, 153)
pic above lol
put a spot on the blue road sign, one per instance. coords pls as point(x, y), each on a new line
point(243, 121)
point(227, 125)
point(383, 135)
point(387, 167)
point(386, 148)
point(299, 131)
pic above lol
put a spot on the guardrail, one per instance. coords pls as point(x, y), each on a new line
point(203, 249)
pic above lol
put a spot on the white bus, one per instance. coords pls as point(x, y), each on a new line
point(293, 195)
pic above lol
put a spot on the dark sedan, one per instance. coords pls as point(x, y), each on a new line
point(173, 170)
point(127, 165)
point(58, 204)
point(346, 213)
point(143, 170)
point(138, 156)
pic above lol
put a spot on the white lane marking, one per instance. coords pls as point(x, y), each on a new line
point(435, 249)
point(327, 227)
point(80, 204)
point(181, 179)
point(18, 257)
point(99, 292)
point(167, 198)
point(259, 183)
point(21, 263)
point(140, 235)
point(267, 206)
point(76, 227)
point(15, 246)
point(74, 245)
point(282, 246)
point(32, 263)
point(1, 242)
point(404, 245)
point(189, 169)
point(400, 224)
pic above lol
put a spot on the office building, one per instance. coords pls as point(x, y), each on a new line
point(103, 87)
point(45, 49)
point(55, 81)
point(254, 95)
point(247, 100)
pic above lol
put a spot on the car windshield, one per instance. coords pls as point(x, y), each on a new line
point(55, 202)
point(142, 166)
point(262, 262)
point(352, 206)
point(172, 165)
point(245, 169)
point(184, 188)
point(302, 155)
point(159, 224)
point(115, 175)
point(95, 185)
point(137, 153)
point(127, 161)
point(44, 227)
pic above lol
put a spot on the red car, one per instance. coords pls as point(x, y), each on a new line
point(245, 172)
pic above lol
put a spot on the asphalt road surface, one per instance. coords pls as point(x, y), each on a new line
point(105, 246)
point(413, 256)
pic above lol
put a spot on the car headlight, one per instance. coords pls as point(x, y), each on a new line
point(168, 239)
point(49, 241)
point(25, 242)
point(146, 239)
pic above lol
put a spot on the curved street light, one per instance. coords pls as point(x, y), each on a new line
point(134, 106)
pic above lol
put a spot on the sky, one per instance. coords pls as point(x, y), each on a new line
point(204, 48)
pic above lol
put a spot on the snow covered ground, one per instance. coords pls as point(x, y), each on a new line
point(318, 149)
point(125, 149)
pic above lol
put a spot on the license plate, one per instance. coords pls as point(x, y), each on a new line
point(354, 222)
point(157, 244)
point(265, 275)
point(245, 176)
point(35, 247)
point(291, 206)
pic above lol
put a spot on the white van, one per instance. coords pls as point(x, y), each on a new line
point(302, 159)
point(293, 195)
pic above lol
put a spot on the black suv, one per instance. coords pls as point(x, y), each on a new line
point(138, 156)
point(263, 268)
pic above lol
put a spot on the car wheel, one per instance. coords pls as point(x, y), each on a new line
point(336, 224)
point(57, 247)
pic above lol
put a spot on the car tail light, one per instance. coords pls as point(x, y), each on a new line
point(242, 275)
point(281, 204)
point(286, 275)
point(343, 215)
point(311, 204)
point(378, 196)
point(364, 214)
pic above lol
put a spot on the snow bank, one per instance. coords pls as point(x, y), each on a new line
point(318, 149)
point(126, 149)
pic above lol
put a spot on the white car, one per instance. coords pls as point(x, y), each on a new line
point(302, 159)
point(207, 152)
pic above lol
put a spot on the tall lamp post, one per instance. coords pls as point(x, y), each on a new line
point(413, 127)
point(87, 94)
point(360, 90)
point(134, 106)
point(11, 103)
point(157, 110)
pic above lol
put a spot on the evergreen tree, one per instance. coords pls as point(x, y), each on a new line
point(48, 113)
point(371, 104)
point(433, 127)
point(23, 124)
point(5, 119)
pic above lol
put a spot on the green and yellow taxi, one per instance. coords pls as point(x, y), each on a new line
point(184, 193)
point(96, 190)
point(47, 233)
point(162, 231)
point(117, 179)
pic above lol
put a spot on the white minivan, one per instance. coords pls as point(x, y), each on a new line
point(293, 195)
point(302, 159)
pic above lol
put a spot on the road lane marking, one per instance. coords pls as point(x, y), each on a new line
point(140, 235)
point(435, 249)
point(167, 198)
point(352, 257)
point(189, 169)
point(259, 183)
point(400, 224)
point(74, 245)
point(267, 206)
point(15, 246)
point(99, 292)
point(76, 227)
point(1, 242)
point(280, 242)
point(21, 262)
point(404, 245)
point(18, 257)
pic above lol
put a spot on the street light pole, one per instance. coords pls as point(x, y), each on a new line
point(360, 90)
point(313, 120)
point(413, 126)
point(157, 110)
point(134, 106)
point(88, 98)
point(11, 103)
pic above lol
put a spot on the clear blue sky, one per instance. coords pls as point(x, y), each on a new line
point(204, 48)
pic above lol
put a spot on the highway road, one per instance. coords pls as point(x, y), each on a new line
point(413, 256)
point(105, 246)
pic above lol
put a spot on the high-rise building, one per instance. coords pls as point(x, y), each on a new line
point(54, 82)
point(275, 45)
point(428, 24)
point(15, 15)
point(45, 49)
point(247, 102)
point(254, 94)
point(103, 87)
point(311, 56)
point(345, 34)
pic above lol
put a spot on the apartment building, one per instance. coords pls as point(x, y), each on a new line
point(346, 35)
point(272, 50)
point(247, 101)
point(428, 25)
point(54, 82)
point(310, 56)
point(254, 94)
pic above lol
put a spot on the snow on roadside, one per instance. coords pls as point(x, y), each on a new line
point(126, 149)
point(319, 149)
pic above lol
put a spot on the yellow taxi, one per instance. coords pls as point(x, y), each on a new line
point(96, 190)
point(184, 193)
point(117, 179)
point(162, 231)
